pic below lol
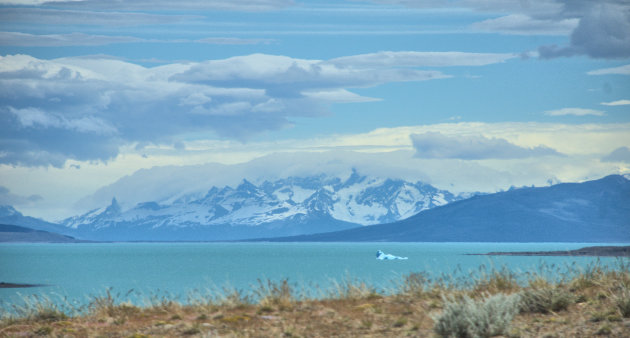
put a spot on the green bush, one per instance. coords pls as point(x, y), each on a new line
point(466, 317)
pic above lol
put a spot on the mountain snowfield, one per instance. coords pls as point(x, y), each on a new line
point(317, 203)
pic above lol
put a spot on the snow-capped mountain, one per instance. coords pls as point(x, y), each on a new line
point(291, 206)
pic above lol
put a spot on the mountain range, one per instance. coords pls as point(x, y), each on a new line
point(284, 207)
point(360, 208)
point(593, 211)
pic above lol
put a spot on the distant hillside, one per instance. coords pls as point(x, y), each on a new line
point(593, 211)
point(14, 233)
point(8, 215)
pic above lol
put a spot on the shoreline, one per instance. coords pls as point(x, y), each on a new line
point(4, 285)
point(598, 251)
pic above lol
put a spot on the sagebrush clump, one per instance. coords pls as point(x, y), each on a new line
point(466, 317)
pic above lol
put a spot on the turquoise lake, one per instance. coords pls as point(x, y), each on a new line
point(137, 271)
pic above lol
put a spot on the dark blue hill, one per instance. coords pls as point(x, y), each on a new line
point(593, 211)
point(14, 233)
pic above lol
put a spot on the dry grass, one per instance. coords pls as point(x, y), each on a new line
point(590, 303)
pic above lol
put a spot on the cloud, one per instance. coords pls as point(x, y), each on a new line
point(603, 32)
point(599, 29)
point(575, 111)
point(437, 145)
point(621, 70)
point(520, 24)
point(287, 77)
point(621, 154)
point(8, 198)
point(234, 41)
point(76, 17)
point(616, 103)
point(420, 59)
point(383, 152)
point(233, 5)
point(86, 108)
point(58, 40)
point(80, 39)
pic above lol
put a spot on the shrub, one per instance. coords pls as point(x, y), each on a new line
point(502, 280)
point(232, 298)
point(414, 283)
point(353, 289)
point(621, 298)
point(275, 293)
point(543, 300)
point(39, 308)
point(466, 317)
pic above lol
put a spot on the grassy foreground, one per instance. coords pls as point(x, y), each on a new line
point(585, 303)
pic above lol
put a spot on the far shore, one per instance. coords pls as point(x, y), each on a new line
point(600, 251)
point(4, 285)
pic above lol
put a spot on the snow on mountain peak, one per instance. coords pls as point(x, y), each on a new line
point(358, 199)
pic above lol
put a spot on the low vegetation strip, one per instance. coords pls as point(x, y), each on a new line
point(583, 303)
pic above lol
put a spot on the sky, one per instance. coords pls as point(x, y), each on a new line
point(101, 98)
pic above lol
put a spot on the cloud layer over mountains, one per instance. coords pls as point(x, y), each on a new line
point(87, 108)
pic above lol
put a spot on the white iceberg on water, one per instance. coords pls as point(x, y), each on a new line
point(380, 255)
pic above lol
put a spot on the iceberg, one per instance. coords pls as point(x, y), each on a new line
point(380, 255)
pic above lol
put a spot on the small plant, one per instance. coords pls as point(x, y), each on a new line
point(604, 330)
point(232, 298)
point(366, 324)
point(414, 283)
point(544, 300)
point(106, 305)
point(400, 322)
point(465, 317)
point(138, 335)
point(502, 280)
point(353, 289)
point(44, 331)
point(621, 298)
point(275, 293)
point(40, 309)
point(192, 330)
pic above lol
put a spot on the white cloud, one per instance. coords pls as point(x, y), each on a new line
point(420, 59)
point(90, 106)
point(338, 95)
point(616, 103)
point(521, 24)
point(575, 111)
point(475, 147)
point(621, 70)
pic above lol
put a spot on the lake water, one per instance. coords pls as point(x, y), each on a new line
point(75, 272)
